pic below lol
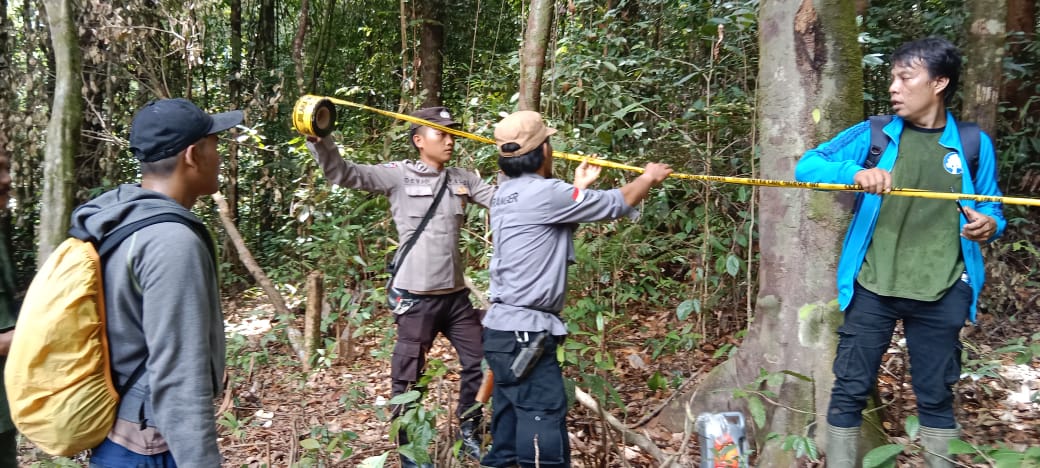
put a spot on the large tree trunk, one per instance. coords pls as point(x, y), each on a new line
point(431, 54)
point(532, 57)
point(63, 130)
point(984, 70)
point(810, 89)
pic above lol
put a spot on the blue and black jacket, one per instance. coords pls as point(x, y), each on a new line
point(838, 160)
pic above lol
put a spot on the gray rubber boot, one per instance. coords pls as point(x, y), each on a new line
point(842, 443)
point(936, 443)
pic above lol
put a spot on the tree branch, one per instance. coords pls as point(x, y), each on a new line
point(294, 335)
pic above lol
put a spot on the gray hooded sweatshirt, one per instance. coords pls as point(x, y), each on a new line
point(163, 308)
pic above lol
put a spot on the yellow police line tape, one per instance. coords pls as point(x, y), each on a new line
point(301, 119)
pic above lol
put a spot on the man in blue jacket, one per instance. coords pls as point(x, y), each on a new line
point(912, 259)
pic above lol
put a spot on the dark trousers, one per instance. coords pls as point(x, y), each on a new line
point(454, 316)
point(529, 418)
point(8, 448)
point(933, 342)
point(112, 455)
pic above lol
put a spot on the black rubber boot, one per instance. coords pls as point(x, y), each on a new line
point(471, 433)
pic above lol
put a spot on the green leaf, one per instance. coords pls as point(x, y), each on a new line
point(406, 397)
point(374, 462)
point(657, 382)
point(884, 455)
point(816, 115)
point(758, 411)
point(310, 444)
point(686, 307)
point(912, 425)
point(958, 447)
point(732, 265)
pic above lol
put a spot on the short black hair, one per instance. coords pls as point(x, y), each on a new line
point(528, 163)
point(162, 167)
point(411, 136)
point(940, 57)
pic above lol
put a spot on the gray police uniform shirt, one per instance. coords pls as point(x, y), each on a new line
point(434, 265)
point(533, 221)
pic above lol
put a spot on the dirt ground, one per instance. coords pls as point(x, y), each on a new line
point(276, 415)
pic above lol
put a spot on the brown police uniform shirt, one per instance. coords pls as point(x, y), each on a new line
point(434, 265)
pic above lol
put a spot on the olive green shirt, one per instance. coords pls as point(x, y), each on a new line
point(915, 251)
point(7, 320)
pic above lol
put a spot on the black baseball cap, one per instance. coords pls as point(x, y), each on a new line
point(437, 115)
point(165, 127)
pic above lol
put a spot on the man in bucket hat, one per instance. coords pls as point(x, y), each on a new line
point(163, 317)
point(533, 219)
point(430, 275)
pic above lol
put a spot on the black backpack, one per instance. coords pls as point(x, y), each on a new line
point(969, 132)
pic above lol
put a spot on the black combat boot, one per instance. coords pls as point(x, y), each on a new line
point(471, 433)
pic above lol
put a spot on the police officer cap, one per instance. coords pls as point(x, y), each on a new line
point(437, 115)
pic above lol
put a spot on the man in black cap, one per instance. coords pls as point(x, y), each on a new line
point(164, 323)
point(429, 269)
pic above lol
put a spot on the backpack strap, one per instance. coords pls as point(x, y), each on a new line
point(970, 142)
point(111, 240)
point(878, 140)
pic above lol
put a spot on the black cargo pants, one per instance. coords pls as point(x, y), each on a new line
point(454, 316)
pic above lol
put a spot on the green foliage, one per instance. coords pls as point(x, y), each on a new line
point(236, 427)
point(418, 422)
point(995, 455)
point(801, 445)
point(998, 456)
point(760, 390)
point(883, 456)
point(323, 447)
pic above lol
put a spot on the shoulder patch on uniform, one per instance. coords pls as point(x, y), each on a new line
point(578, 195)
point(390, 164)
point(461, 190)
point(952, 163)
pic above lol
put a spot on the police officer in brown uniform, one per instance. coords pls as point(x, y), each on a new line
point(432, 271)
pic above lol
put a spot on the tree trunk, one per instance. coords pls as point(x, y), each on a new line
point(298, 41)
point(63, 130)
point(532, 56)
point(984, 52)
point(312, 315)
point(431, 54)
point(235, 96)
point(296, 340)
point(810, 89)
point(1021, 26)
point(265, 36)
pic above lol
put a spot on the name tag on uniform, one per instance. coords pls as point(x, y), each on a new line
point(418, 190)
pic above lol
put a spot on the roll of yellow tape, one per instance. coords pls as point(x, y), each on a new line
point(314, 115)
